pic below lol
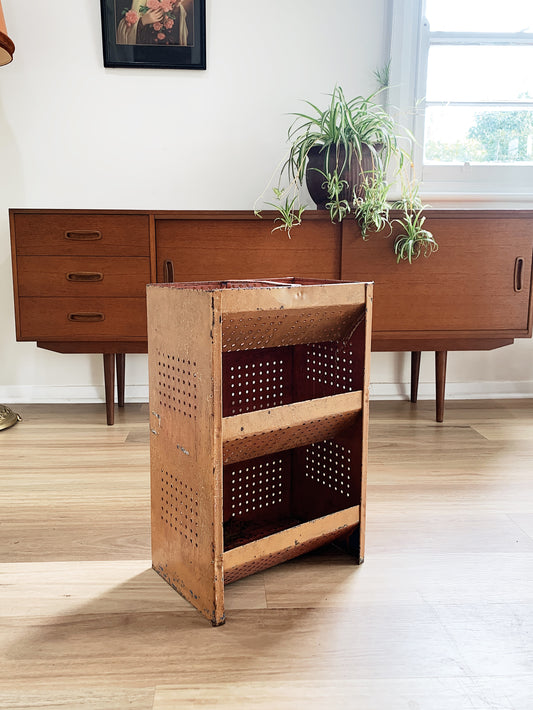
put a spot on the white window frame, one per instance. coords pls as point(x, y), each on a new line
point(483, 185)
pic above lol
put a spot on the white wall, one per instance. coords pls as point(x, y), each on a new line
point(76, 135)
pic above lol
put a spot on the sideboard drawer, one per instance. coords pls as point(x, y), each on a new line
point(42, 276)
point(82, 319)
point(49, 233)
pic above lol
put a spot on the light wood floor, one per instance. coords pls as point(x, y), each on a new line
point(440, 616)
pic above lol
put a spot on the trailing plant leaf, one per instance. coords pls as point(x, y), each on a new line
point(410, 199)
point(290, 216)
point(414, 240)
point(338, 207)
point(382, 76)
point(372, 209)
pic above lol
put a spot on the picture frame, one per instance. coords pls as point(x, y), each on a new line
point(157, 34)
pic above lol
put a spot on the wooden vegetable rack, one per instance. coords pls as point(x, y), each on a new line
point(258, 419)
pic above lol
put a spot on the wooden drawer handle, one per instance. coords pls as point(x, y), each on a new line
point(168, 271)
point(83, 235)
point(85, 276)
point(86, 317)
point(518, 273)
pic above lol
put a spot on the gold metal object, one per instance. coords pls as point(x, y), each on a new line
point(8, 417)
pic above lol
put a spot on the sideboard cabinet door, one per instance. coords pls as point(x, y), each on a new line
point(231, 245)
point(477, 284)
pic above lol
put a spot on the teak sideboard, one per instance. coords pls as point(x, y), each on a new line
point(80, 276)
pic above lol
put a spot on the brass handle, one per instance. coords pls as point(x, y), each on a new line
point(86, 317)
point(168, 271)
point(518, 273)
point(85, 276)
point(83, 235)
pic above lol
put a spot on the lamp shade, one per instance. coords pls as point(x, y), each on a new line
point(7, 46)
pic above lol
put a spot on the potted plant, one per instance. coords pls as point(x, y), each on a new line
point(350, 155)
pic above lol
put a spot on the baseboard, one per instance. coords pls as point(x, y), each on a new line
point(24, 394)
point(28, 394)
point(454, 390)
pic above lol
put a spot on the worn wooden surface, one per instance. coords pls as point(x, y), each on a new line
point(266, 431)
point(438, 617)
point(189, 326)
point(186, 446)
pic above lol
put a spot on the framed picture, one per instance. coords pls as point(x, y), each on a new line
point(168, 34)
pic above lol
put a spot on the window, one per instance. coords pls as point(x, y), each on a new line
point(465, 68)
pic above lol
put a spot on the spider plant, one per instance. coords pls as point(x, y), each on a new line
point(371, 208)
point(341, 130)
point(360, 155)
point(410, 198)
point(382, 75)
point(413, 239)
point(338, 207)
point(290, 213)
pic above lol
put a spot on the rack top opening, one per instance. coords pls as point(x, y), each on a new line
point(282, 282)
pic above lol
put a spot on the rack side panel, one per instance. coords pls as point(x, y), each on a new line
point(185, 444)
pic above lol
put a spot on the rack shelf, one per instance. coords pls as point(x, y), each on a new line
point(260, 548)
point(247, 436)
point(259, 418)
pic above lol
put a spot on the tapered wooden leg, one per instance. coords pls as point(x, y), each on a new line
point(109, 382)
point(415, 374)
point(440, 382)
point(121, 377)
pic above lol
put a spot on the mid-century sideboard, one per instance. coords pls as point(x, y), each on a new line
point(80, 276)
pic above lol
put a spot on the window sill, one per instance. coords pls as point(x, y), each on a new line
point(477, 200)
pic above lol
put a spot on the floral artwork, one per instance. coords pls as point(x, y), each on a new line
point(159, 22)
point(154, 33)
point(165, 12)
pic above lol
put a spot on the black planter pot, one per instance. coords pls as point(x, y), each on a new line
point(352, 172)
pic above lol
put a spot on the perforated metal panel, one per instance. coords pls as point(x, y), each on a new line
point(332, 365)
point(250, 331)
point(258, 380)
point(177, 383)
point(330, 464)
point(281, 439)
point(179, 507)
point(289, 553)
point(257, 489)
